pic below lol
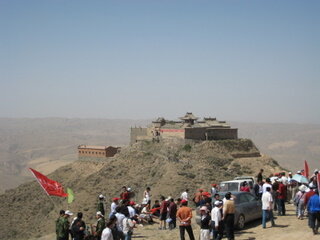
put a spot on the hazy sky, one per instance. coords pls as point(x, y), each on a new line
point(236, 60)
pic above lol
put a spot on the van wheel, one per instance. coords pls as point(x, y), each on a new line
point(241, 221)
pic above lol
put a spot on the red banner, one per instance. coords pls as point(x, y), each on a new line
point(306, 169)
point(171, 130)
point(51, 187)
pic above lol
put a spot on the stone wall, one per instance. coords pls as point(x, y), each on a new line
point(137, 132)
point(222, 133)
point(211, 133)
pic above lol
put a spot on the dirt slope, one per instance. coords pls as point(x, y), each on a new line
point(168, 168)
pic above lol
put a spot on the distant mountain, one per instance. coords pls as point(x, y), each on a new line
point(290, 144)
point(49, 143)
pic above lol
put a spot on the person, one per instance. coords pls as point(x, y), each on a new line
point(284, 179)
point(214, 189)
point(99, 226)
point(132, 211)
point(114, 205)
point(282, 196)
point(125, 194)
point(257, 188)
point(198, 197)
point(163, 212)
point(124, 207)
point(259, 176)
point(245, 187)
point(127, 228)
point(275, 193)
point(156, 206)
point(119, 224)
point(184, 215)
point(172, 214)
point(64, 226)
point(299, 201)
point(267, 203)
point(266, 184)
point(205, 221)
point(184, 195)
point(146, 214)
point(147, 196)
point(78, 227)
point(228, 216)
point(107, 232)
point(216, 221)
point(314, 212)
point(100, 207)
point(59, 219)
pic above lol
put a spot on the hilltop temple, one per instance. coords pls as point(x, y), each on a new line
point(188, 127)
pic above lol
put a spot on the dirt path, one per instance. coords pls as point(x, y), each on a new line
point(287, 228)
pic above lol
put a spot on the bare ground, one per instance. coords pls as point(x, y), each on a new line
point(287, 227)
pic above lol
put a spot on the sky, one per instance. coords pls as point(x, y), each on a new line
point(241, 60)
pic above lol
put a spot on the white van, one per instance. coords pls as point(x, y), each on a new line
point(234, 185)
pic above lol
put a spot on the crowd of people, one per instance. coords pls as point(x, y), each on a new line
point(217, 213)
point(279, 189)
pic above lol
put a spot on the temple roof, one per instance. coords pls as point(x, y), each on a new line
point(189, 116)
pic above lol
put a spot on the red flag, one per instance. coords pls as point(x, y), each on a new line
point(306, 169)
point(49, 186)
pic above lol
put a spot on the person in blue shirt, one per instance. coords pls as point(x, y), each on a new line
point(314, 212)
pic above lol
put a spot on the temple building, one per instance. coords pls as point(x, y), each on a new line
point(188, 127)
point(86, 151)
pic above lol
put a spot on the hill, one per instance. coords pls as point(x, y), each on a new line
point(167, 167)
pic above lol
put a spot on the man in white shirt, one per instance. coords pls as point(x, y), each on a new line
point(267, 212)
point(266, 184)
point(119, 223)
point(184, 195)
point(128, 225)
point(107, 233)
point(114, 205)
point(216, 220)
point(132, 211)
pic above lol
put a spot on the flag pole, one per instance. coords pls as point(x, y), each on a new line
point(54, 205)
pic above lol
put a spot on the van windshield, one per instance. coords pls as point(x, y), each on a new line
point(229, 187)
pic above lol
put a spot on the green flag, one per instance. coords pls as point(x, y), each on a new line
point(70, 195)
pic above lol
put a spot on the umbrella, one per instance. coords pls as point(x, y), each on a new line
point(299, 178)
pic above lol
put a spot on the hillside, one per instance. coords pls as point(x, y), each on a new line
point(167, 167)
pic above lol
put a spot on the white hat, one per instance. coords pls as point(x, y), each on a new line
point(168, 198)
point(217, 203)
point(101, 196)
point(298, 171)
point(68, 213)
point(204, 208)
point(316, 170)
point(99, 213)
point(128, 189)
point(303, 188)
point(289, 172)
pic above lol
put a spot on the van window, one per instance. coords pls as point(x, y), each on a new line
point(229, 187)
